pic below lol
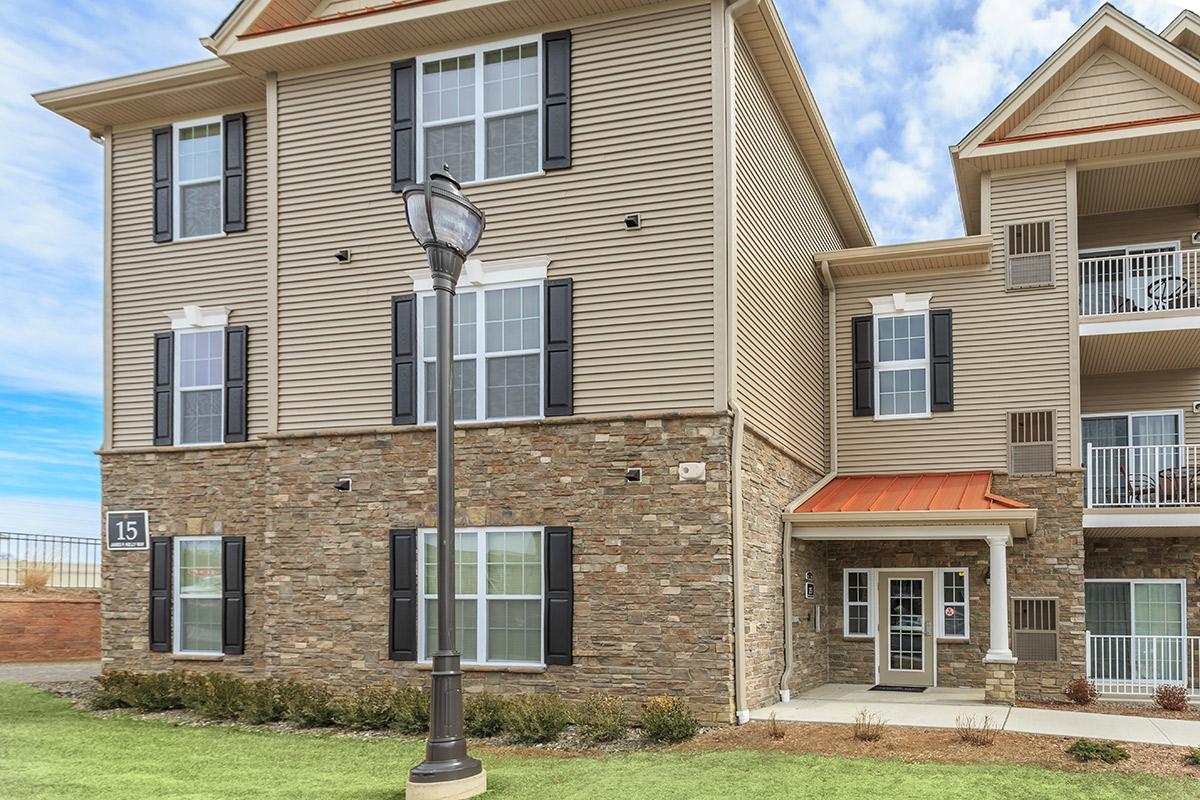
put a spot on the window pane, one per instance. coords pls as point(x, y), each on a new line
point(452, 146)
point(201, 359)
point(200, 625)
point(199, 567)
point(512, 144)
point(466, 563)
point(902, 391)
point(512, 319)
point(902, 338)
point(856, 622)
point(200, 152)
point(515, 630)
point(448, 89)
point(200, 209)
point(200, 415)
point(464, 324)
point(513, 386)
point(514, 562)
point(1106, 608)
point(510, 77)
point(464, 390)
point(466, 621)
point(1157, 609)
point(955, 621)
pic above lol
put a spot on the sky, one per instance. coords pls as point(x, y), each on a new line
point(898, 82)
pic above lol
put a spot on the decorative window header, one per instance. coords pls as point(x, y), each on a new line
point(901, 303)
point(478, 273)
point(198, 317)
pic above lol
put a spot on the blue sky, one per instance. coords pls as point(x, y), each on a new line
point(898, 82)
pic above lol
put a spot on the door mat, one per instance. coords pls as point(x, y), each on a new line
point(882, 688)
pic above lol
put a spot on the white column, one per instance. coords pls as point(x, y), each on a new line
point(999, 649)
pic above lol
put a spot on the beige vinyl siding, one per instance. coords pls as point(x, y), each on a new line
point(1175, 224)
point(1170, 390)
point(149, 279)
point(644, 300)
point(781, 223)
point(1010, 350)
point(1106, 91)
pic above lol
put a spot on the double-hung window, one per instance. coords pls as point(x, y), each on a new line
point(954, 602)
point(198, 179)
point(479, 112)
point(199, 405)
point(197, 600)
point(902, 365)
point(857, 605)
point(497, 353)
point(498, 595)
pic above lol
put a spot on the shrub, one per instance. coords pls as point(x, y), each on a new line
point(262, 702)
point(1171, 697)
point(1081, 691)
point(368, 708)
point(1192, 758)
point(602, 718)
point(215, 696)
point(1108, 752)
point(536, 718)
point(483, 715)
point(667, 719)
point(158, 691)
point(868, 727)
point(410, 710)
point(774, 729)
point(308, 705)
point(979, 734)
point(112, 690)
point(34, 576)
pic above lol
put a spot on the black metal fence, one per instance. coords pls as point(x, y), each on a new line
point(62, 562)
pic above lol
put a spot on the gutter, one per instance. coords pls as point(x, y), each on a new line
point(739, 421)
point(785, 680)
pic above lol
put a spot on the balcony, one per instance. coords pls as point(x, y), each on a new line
point(1142, 490)
point(1135, 666)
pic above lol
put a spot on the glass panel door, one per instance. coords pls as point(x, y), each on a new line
point(1108, 467)
point(1152, 463)
point(906, 624)
point(1107, 613)
point(1158, 612)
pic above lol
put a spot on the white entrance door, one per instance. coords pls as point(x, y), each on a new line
point(905, 633)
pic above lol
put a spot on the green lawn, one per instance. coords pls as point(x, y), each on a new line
point(50, 750)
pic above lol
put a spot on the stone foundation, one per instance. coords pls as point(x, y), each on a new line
point(1000, 685)
point(653, 581)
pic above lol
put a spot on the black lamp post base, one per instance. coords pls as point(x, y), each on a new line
point(451, 769)
point(457, 789)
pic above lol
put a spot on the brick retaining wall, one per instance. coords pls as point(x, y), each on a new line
point(43, 627)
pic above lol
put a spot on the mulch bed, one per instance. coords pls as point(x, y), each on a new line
point(1148, 709)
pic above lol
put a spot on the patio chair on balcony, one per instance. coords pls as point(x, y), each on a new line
point(1120, 304)
point(1139, 485)
point(1170, 293)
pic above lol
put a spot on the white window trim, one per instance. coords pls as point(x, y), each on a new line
point(481, 356)
point(1182, 583)
point(909, 310)
point(176, 182)
point(481, 597)
point(191, 317)
point(966, 604)
point(177, 605)
point(477, 273)
point(1129, 415)
point(177, 389)
point(872, 580)
point(480, 116)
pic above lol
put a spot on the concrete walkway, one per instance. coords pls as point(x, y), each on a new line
point(940, 708)
point(48, 671)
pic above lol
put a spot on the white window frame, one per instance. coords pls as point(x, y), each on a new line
point(481, 597)
point(1129, 416)
point(1181, 582)
point(942, 604)
point(176, 183)
point(481, 356)
point(870, 603)
point(178, 391)
point(176, 599)
point(900, 366)
point(480, 116)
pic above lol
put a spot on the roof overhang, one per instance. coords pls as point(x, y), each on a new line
point(964, 253)
point(1184, 31)
point(1141, 523)
point(910, 525)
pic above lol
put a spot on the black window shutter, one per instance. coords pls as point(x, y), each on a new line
point(233, 595)
point(556, 100)
point(235, 383)
point(164, 387)
point(404, 123)
point(941, 360)
point(163, 144)
point(402, 605)
point(560, 361)
point(560, 595)
point(233, 142)
point(404, 359)
point(863, 357)
point(160, 594)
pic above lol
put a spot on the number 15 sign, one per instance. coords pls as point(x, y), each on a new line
point(127, 530)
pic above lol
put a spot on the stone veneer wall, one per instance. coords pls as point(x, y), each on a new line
point(653, 597)
point(1157, 558)
point(770, 480)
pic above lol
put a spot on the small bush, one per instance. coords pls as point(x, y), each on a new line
point(215, 696)
point(308, 705)
point(667, 719)
point(868, 727)
point(158, 691)
point(536, 718)
point(369, 708)
point(774, 729)
point(410, 710)
point(112, 690)
point(1081, 691)
point(602, 718)
point(483, 715)
point(262, 702)
point(979, 734)
point(1171, 697)
point(1108, 752)
point(35, 576)
point(1192, 759)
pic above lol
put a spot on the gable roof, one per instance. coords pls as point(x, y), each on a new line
point(1184, 32)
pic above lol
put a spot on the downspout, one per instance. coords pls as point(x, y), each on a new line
point(785, 680)
point(739, 422)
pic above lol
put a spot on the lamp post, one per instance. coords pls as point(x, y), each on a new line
point(448, 227)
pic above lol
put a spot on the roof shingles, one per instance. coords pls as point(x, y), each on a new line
point(949, 491)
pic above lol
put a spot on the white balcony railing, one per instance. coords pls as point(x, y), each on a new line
point(1143, 476)
point(1139, 283)
point(1137, 665)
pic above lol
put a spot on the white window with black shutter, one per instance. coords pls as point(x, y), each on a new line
point(199, 174)
point(197, 595)
point(902, 359)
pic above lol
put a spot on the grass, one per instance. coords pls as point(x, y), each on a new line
point(50, 750)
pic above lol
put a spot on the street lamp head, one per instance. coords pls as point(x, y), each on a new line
point(443, 221)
